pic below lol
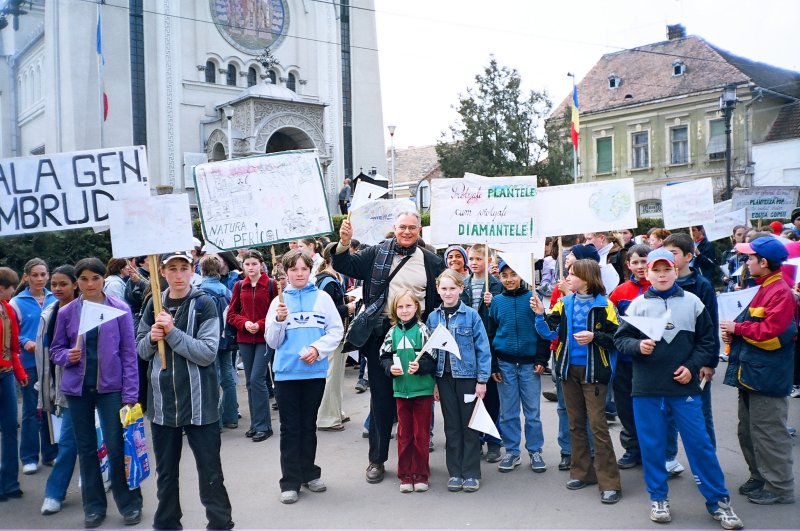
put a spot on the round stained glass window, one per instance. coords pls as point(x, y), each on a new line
point(250, 25)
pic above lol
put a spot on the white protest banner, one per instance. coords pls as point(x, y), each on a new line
point(723, 223)
point(254, 201)
point(731, 304)
point(64, 191)
point(442, 339)
point(796, 263)
point(374, 220)
point(93, 315)
point(481, 420)
point(652, 327)
point(586, 207)
point(366, 192)
point(489, 210)
point(687, 204)
point(767, 202)
point(158, 224)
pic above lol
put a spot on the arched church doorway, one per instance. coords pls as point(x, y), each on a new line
point(288, 139)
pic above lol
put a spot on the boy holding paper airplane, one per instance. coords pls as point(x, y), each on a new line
point(666, 381)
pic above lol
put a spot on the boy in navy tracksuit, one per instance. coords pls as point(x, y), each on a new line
point(666, 382)
point(682, 246)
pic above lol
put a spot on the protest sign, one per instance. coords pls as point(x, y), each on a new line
point(730, 305)
point(490, 210)
point(159, 224)
point(724, 220)
point(375, 219)
point(767, 202)
point(687, 204)
point(254, 201)
point(63, 191)
point(593, 207)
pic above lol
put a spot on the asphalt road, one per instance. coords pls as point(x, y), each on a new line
point(520, 499)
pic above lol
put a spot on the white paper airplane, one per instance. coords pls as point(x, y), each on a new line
point(652, 327)
point(520, 262)
point(357, 293)
point(93, 315)
point(353, 354)
point(731, 304)
point(365, 193)
point(481, 421)
point(442, 339)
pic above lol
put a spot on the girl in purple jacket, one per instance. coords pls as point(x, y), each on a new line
point(100, 372)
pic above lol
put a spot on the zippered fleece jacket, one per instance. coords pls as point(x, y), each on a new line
point(688, 340)
point(602, 321)
point(187, 391)
point(313, 321)
point(28, 314)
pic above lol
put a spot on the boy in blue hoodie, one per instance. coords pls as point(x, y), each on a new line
point(517, 366)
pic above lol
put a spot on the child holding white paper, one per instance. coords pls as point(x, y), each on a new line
point(666, 381)
point(413, 384)
point(584, 323)
point(457, 376)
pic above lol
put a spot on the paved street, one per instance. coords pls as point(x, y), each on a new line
point(520, 499)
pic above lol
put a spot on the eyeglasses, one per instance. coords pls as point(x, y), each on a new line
point(401, 228)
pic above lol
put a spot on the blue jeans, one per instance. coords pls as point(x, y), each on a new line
point(35, 434)
point(708, 420)
point(652, 416)
point(520, 386)
point(228, 406)
point(61, 475)
point(9, 461)
point(93, 491)
point(254, 357)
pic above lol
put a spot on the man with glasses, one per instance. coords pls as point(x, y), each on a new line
point(375, 265)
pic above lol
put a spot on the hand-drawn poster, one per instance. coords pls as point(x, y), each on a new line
point(63, 191)
point(256, 201)
point(687, 204)
point(767, 202)
point(372, 221)
point(476, 209)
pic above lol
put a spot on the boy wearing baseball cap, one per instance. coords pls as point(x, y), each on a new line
point(183, 398)
point(762, 355)
point(666, 381)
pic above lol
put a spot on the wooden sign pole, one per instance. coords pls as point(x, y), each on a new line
point(560, 259)
point(274, 260)
point(155, 290)
point(533, 275)
point(486, 267)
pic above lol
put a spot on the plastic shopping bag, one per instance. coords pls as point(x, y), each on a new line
point(137, 464)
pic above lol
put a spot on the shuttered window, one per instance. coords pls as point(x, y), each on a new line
point(604, 155)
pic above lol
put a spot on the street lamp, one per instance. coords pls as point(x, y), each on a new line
point(727, 102)
point(391, 135)
point(229, 115)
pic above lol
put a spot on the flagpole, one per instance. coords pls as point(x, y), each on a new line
point(574, 147)
point(100, 79)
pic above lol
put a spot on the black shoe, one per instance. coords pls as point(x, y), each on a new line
point(577, 484)
point(262, 435)
point(133, 517)
point(14, 494)
point(610, 497)
point(375, 472)
point(249, 433)
point(231, 425)
point(750, 486)
point(611, 417)
point(93, 520)
point(765, 497)
point(565, 463)
point(550, 396)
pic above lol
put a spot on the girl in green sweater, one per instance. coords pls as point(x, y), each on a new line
point(413, 389)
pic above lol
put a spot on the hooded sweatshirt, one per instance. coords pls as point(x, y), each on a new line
point(313, 321)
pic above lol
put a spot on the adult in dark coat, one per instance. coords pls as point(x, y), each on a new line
point(374, 265)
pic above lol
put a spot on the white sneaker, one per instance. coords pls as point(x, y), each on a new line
point(50, 506)
point(289, 496)
point(30, 468)
point(726, 517)
point(674, 468)
point(659, 511)
point(405, 488)
point(240, 367)
point(795, 391)
point(316, 485)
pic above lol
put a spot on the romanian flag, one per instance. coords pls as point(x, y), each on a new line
point(100, 64)
point(576, 123)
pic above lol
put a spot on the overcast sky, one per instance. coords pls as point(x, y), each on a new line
point(430, 51)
